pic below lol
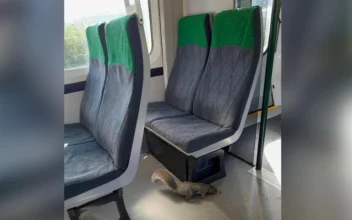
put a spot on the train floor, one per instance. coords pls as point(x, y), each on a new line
point(242, 196)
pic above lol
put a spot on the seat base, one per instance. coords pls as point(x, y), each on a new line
point(116, 196)
point(205, 169)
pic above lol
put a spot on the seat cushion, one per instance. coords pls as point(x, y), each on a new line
point(76, 134)
point(86, 167)
point(161, 110)
point(190, 133)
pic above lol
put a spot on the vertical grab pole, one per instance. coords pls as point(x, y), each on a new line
point(267, 83)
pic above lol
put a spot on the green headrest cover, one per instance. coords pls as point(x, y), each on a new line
point(234, 27)
point(94, 44)
point(192, 30)
point(118, 43)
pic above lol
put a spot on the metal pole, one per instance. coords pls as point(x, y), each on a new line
point(267, 83)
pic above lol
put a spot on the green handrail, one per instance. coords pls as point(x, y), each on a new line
point(267, 83)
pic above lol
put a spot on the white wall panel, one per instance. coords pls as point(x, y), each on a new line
point(72, 104)
point(201, 6)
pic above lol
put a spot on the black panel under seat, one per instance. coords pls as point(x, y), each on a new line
point(173, 159)
point(208, 168)
point(205, 169)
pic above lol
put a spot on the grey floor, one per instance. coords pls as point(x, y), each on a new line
point(243, 197)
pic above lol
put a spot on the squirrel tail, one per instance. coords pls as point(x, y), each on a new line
point(165, 177)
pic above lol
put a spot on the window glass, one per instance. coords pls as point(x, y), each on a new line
point(146, 21)
point(266, 6)
point(266, 16)
point(79, 14)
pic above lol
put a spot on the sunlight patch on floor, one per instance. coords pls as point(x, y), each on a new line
point(272, 152)
point(266, 176)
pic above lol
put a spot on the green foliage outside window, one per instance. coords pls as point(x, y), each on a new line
point(76, 51)
point(76, 47)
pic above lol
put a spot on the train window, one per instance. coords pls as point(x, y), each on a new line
point(266, 13)
point(146, 21)
point(81, 13)
point(266, 6)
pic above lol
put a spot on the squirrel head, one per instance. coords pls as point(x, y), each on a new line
point(212, 189)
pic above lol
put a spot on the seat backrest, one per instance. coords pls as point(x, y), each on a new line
point(191, 56)
point(234, 56)
point(118, 113)
point(96, 77)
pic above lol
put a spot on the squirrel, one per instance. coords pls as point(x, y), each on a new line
point(186, 189)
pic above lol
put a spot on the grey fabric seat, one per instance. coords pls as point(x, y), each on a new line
point(225, 90)
point(190, 133)
point(87, 166)
point(105, 165)
point(82, 132)
point(191, 56)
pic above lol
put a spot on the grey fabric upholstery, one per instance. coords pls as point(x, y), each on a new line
point(76, 134)
point(94, 87)
point(92, 94)
point(227, 80)
point(118, 113)
point(161, 110)
point(191, 58)
point(83, 132)
point(190, 133)
point(85, 162)
point(186, 72)
point(225, 85)
point(87, 166)
point(111, 121)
